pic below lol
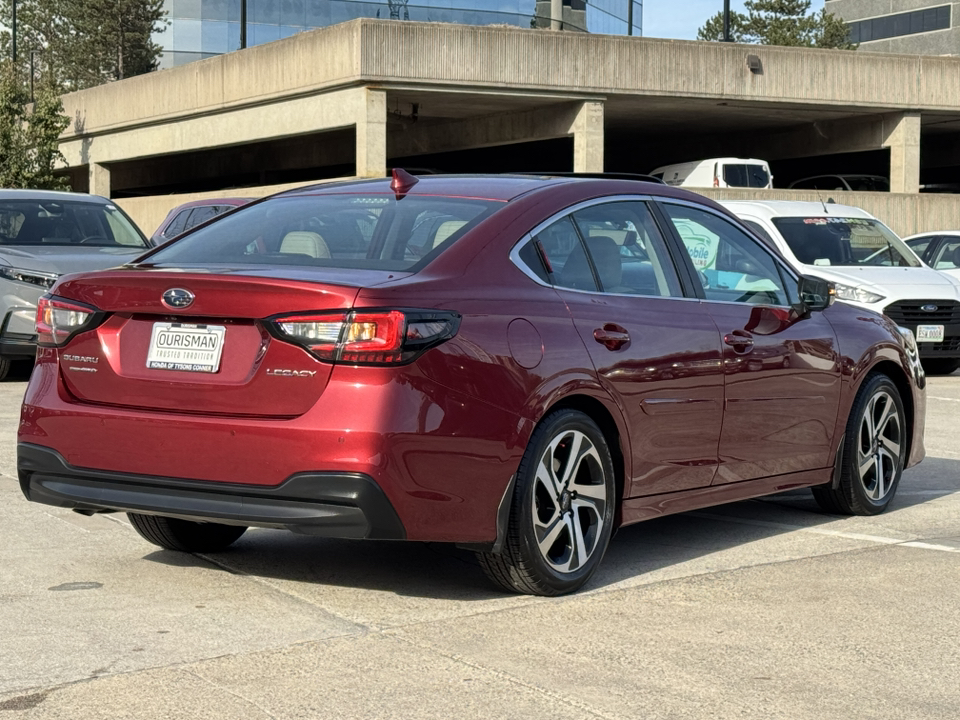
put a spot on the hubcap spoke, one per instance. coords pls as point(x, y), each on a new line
point(579, 553)
point(551, 533)
point(891, 447)
point(865, 464)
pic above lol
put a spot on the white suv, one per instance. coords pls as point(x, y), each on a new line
point(869, 264)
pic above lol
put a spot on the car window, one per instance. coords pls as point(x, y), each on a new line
point(948, 256)
point(844, 242)
point(178, 224)
point(731, 266)
point(200, 215)
point(627, 250)
point(808, 184)
point(920, 245)
point(746, 175)
point(567, 264)
point(762, 234)
point(55, 222)
point(376, 231)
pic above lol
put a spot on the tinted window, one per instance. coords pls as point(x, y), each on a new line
point(731, 265)
point(200, 215)
point(569, 266)
point(178, 224)
point(762, 234)
point(626, 249)
point(920, 245)
point(66, 223)
point(867, 183)
point(746, 175)
point(356, 231)
point(948, 255)
point(843, 241)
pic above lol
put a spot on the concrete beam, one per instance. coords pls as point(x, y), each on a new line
point(298, 116)
point(903, 139)
point(371, 123)
point(99, 180)
point(582, 120)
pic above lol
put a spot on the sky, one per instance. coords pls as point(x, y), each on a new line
point(682, 18)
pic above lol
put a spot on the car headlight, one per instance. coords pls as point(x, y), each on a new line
point(29, 277)
point(856, 294)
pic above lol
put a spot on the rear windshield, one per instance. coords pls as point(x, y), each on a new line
point(42, 222)
point(844, 241)
point(868, 183)
point(353, 231)
point(746, 175)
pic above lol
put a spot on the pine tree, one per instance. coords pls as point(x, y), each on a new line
point(781, 22)
point(83, 43)
point(29, 134)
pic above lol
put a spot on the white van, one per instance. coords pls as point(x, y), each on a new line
point(870, 266)
point(717, 172)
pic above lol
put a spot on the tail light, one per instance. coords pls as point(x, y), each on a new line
point(367, 337)
point(58, 320)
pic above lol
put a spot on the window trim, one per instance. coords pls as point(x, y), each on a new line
point(650, 201)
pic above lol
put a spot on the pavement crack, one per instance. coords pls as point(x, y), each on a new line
point(513, 679)
point(234, 693)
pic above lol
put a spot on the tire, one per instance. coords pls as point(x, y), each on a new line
point(5, 364)
point(561, 517)
point(185, 535)
point(874, 449)
point(939, 366)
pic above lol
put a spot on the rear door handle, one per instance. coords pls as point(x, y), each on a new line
point(612, 336)
point(739, 340)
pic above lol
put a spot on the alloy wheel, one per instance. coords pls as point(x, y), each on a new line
point(570, 499)
point(879, 446)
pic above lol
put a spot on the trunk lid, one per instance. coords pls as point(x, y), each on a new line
point(257, 376)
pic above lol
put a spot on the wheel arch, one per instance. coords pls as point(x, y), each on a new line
point(898, 377)
point(597, 411)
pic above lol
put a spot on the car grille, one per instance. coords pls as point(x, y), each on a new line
point(909, 312)
point(950, 346)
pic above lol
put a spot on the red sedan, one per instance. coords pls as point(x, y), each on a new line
point(515, 364)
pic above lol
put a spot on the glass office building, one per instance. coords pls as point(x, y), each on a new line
point(204, 28)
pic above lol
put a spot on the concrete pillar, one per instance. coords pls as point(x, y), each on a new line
point(99, 180)
point(556, 14)
point(902, 131)
point(371, 133)
point(587, 130)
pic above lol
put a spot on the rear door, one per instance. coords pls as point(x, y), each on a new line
point(782, 372)
point(657, 352)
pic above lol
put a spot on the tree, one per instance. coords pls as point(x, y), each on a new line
point(781, 22)
point(29, 134)
point(83, 43)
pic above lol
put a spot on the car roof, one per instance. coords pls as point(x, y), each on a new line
point(51, 196)
point(235, 201)
point(793, 208)
point(935, 233)
point(503, 188)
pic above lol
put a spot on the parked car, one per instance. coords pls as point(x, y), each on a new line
point(940, 250)
point(863, 183)
point(42, 236)
point(188, 215)
point(516, 364)
point(717, 172)
point(871, 267)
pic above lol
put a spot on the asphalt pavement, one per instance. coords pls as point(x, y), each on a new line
point(762, 609)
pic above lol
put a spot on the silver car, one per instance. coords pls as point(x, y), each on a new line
point(47, 234)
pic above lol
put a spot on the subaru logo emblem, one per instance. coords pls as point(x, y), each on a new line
point(929, 308)
point(178, 298)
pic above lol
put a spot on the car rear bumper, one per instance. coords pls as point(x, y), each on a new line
point(344, 505)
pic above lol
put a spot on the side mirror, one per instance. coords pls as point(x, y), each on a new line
point(816, 294)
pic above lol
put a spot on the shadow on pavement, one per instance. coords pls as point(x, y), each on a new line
point(441, 571)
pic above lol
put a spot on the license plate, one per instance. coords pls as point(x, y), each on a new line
point(184, 347)
point(929, 333)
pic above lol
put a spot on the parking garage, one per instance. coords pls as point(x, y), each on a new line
point(358, 98)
